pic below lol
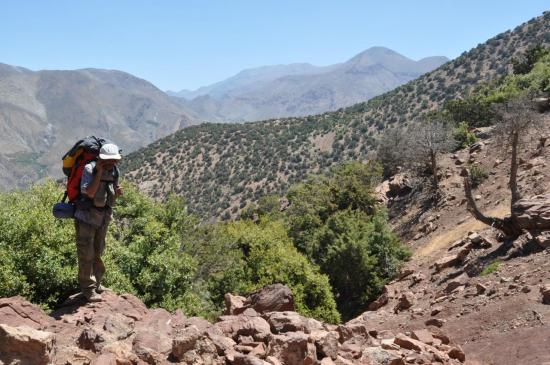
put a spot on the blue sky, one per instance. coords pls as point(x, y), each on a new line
point(187, 44)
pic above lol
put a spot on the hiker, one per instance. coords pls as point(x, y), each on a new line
point(98, 191)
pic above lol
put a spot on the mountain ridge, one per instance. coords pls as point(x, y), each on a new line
point(40, 111)
point(292, 90)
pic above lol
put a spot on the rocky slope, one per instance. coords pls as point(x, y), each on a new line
point(489, 291)
point(303, 89)
point(43, 113)
point(260, 329)
point(220, 168)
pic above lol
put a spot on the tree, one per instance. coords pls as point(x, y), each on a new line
point(426, 142)
point(335, 221)
point(390, 150)
point(524, 64)
point(264, 254)
point(516, 118)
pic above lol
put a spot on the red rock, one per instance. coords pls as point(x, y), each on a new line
point(381, 301)
point(423, 335)
point(349, 330)
point(435, 322)
point(234, 326)
point(17, 311)
point(153, 336)
point(276, 297)
point(185, 340)
point(406, 301)
point(447, 261)
point(545, 290)
point(480, 288)
point(457, 353)
point(436, 310)
point(92, 339)
point(105, 359)
point(241, 359)
point(287, 321)
point(25, 345)
point(377, 355)
point(437, 334)
point(290, 348)
point(223, 344)
point(408, 343)
point(327, 344)
point(456, 283)
point(233, 303)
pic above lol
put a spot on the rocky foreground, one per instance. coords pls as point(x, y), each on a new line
point(260, 329)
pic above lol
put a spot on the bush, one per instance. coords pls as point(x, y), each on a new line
point(337, 224)
point(475, 111)
point(37, 252)
point(491, 268)
point(463, 136)
point(477, 175)
point(268, 256)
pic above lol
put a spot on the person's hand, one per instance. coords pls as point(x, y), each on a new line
point(100, 165)
point(119, 191)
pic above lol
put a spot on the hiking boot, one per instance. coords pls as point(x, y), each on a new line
point(92, 297)
point(100, 289)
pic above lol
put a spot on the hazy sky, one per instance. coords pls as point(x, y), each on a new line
point(187, 44)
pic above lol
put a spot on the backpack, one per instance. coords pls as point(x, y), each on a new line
point(83, 152)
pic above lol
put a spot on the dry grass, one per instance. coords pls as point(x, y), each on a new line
point(453, 234)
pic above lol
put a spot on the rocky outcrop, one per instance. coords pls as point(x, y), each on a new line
point(532, 213)
point(259, 330)
point(25, 345)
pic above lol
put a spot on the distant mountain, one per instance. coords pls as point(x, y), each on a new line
point(249, 79)
point(303, 89)
point(43, 113)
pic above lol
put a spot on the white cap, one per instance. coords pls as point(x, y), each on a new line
point(109, 151)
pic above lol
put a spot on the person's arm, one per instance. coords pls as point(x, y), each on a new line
point(91, 189)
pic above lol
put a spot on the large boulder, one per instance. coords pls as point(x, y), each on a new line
point(399, 185)
point(153, 340)
point(17, 311)
point(242, 325)
point(233, 303)
point(379, 356)
point(292, 348)
point(291, 322)
point(271, 298)
point(25, 345)
point(532, 213)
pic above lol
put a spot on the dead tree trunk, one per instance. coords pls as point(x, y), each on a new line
point(433, 162)
point(505, 225)
point(514, 170)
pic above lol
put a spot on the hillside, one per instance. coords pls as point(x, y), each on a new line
point(303, 89)
point(464, 276)
point(43, 113)
point(219, 168)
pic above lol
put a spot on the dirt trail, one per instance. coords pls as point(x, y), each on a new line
point(454, 234)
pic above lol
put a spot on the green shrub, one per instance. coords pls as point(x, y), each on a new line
point(336, 223)
point(268, 256)
point(37, 252)
point(491, 268)
point(463, 136)
point(477, 175)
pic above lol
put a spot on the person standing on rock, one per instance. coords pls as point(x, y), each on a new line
point(98, 189)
